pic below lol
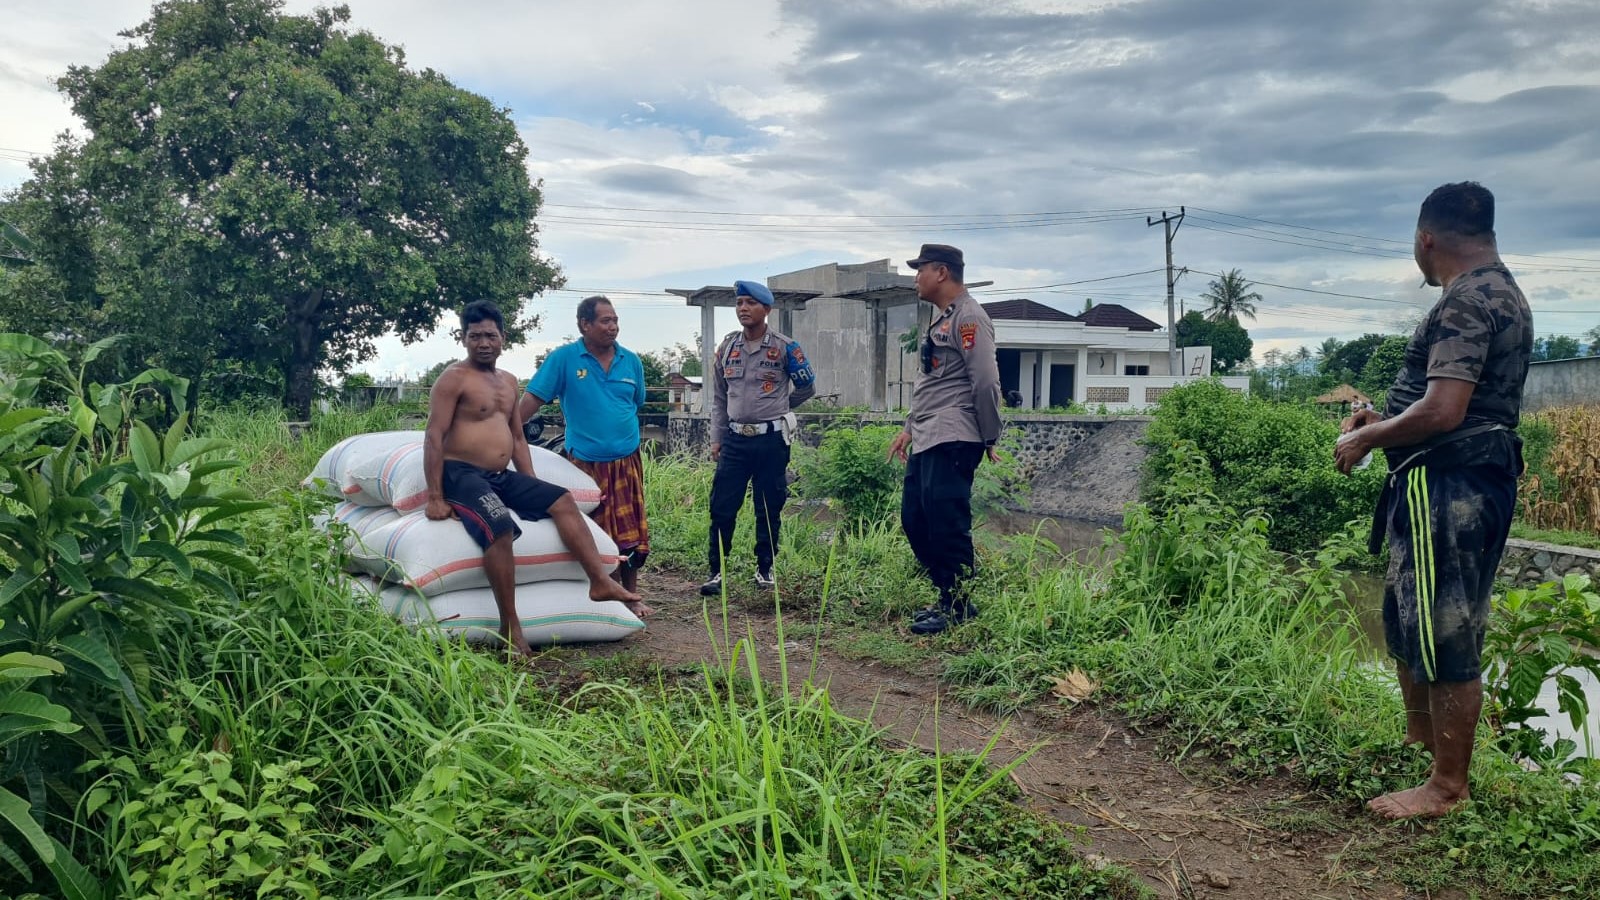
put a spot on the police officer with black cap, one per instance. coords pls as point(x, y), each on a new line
point(954, 420)
point(760, 375)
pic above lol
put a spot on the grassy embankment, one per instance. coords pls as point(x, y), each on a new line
point(361, 761)
point(297, 743)
point(1242, 654)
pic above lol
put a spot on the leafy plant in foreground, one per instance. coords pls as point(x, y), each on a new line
point(1536, 635)
point(102, 524)
point(196, 803)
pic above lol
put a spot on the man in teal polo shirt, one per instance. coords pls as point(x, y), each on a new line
point(601, 388)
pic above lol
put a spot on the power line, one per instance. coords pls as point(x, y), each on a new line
point(1062, 284)
point(1301, 239)
point(1306, 290)
point(1129, 210)
point(1381, 240)
point(1374, 252)
point(1294, 243)
point(778, 228)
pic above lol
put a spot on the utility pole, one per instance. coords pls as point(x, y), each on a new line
point(1172, 224)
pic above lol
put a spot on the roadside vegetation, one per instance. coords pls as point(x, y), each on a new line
point(195, 707)
point(1275, 457)
point(1233, 650)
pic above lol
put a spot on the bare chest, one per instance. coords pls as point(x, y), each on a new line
point(485, 397)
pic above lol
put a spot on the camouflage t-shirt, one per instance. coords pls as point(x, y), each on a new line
point(1480, 331)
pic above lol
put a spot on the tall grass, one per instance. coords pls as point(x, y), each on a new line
point(312, 747)
point(1242, 654)
point(275, 458)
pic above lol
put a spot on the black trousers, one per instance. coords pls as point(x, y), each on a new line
point(936, 513)
point(761, 465)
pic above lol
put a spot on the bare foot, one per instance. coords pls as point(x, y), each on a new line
point(517, 648)
point(603, 589)
point(1427, 801)
point(639, 608)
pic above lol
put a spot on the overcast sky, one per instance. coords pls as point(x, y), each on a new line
point(699, 141)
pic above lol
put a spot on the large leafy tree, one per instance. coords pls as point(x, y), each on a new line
point(1229, 297)
point(1230, 344)
point(1556, 346)
point(277, 191)
point(1386, 361)
point(1349, 359)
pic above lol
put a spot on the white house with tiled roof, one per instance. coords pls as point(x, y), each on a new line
point(1108, 356)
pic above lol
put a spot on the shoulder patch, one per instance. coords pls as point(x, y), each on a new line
point(969, 335)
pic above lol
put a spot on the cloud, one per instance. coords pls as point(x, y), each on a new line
point(1300, 137)
point(641, 178)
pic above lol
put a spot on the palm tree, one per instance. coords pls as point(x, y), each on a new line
point(1303, 354)
point(1230, 297)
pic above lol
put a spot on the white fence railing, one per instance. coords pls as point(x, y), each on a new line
point(1129, 392)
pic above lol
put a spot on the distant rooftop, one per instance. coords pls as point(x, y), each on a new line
point(1114, 315)
point(1025, 310)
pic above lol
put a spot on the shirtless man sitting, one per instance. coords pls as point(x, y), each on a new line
point(473, 435)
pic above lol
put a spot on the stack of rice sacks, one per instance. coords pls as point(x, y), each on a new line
point(430, 573)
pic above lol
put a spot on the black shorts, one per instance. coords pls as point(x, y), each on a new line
point(1447, 531)
point(485, 500)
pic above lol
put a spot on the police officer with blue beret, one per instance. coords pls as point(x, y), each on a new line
point(759, 376)
point(954, 420)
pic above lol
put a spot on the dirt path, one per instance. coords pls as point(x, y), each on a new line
point(1185, 831)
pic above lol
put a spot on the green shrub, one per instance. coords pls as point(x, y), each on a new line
point(1275, 458)
point(108, 529)
point(1000, 485)
point(188, 828)
point(1536, 635)
point(851, 468)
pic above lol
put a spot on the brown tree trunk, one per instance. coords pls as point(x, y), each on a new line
point(300, 375)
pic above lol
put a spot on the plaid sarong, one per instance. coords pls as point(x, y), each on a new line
point(621, 513)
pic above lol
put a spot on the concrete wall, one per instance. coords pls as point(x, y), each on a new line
point(1046, 440)
point(837, 333)
point(1562, 382)
point(1528, 563)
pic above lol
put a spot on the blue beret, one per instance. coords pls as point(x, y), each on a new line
point(755, 290)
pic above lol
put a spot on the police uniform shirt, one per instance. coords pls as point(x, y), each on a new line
point(957, 394)
point(752, 380)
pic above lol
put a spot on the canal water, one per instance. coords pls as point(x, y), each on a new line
point(1085, 543)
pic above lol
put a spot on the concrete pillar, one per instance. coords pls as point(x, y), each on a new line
point(1080, 391)
point(880, 357)
point(708, 349)
point(1044, 378)
point(1121, 363)
point(1025, 378)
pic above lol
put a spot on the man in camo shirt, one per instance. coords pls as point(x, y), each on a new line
point(1454, 457)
